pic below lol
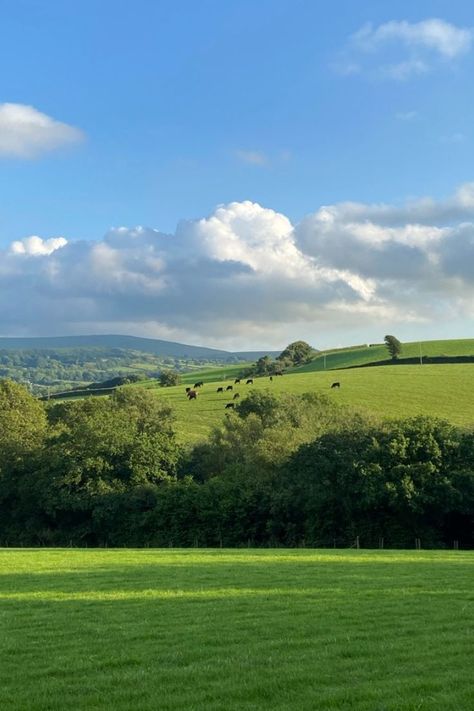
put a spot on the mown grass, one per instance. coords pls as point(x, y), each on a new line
point(388, 391)
point(225, 630)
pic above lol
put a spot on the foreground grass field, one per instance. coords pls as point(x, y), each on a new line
point(444, 391)
point(225, 630)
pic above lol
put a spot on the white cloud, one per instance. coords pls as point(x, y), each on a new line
point(246, 276)
point(35, 246)
point(433, 34)
point(401, 50)
point(25, 132)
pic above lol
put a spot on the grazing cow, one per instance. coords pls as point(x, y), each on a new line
point(229, 406)
point(188, 390)
point(249, 381)
point(236, 381)
point(199, 384)
point(220, 390)
point(336, 385)
point(279, 373)
point(271, 377)
point(192, 395)
point(236, 396)
point(229, 387)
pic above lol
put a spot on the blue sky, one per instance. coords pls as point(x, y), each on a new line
point(169, 109)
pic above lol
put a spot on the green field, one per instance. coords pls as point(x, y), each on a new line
point(445, 391)
point(359, 355)
point(243, 629)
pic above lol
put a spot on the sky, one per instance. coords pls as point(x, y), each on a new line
point(237, 174)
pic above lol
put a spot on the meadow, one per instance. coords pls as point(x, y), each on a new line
point(444, 391)
point(243, 629)
point(361, 355)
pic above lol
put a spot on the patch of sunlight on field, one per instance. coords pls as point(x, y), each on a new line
point(235, 629)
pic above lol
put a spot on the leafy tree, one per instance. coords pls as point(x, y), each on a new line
point(394, 346)
point(296, 353)
point(169, 377)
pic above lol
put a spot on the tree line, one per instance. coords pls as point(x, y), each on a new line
point(279, 471)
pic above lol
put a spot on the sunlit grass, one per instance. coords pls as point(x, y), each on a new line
point(388, 391)
point(245, 629)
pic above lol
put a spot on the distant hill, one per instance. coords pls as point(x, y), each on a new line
point(147, 345)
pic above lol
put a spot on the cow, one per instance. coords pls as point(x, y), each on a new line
point(229, 406)
point(280, 372)
point(187, 390)
point(198, 385)
point(236, 396)
point(220, 390)
point(229, 387)
point(192, 395)
point(249, 381)
point(236, 381)
point(336, 385)
point(271, 378)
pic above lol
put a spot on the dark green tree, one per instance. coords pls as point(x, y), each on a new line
point(296, 353)
point(169, 378)
point(394, 346)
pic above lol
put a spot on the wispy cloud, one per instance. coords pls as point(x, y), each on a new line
point(25, 132)
point(252, 157)
point(406, 115)
point(434, 34)
point(401, 50)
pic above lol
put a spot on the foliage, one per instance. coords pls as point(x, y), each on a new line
point(393, 346)
point(288, 470)
point(296, 353)
point(169, 378)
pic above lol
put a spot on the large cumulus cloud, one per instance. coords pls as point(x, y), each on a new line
point(245, 275)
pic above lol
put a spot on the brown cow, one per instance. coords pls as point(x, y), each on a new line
point(192, 395)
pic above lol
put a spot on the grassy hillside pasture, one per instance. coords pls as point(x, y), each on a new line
point(234, 630)
point(345, 358)
point(445, 391)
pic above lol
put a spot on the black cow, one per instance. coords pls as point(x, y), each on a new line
point(236, 396)
point(220, 390)
point(187, 390)
point(271, 377)
point(199, 384)
point(236, 381)
point(229, 387)
point(279, 373)
point(249, 381)
point(229, 406)
point(192, 395)
point(336, 385)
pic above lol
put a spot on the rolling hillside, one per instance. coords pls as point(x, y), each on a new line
point(362, 355)
point(445, 391)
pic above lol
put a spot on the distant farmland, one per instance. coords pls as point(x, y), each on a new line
point(444, 391)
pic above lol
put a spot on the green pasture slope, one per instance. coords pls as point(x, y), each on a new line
point(360, 355)
point(445, 391)
point(222, 630)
